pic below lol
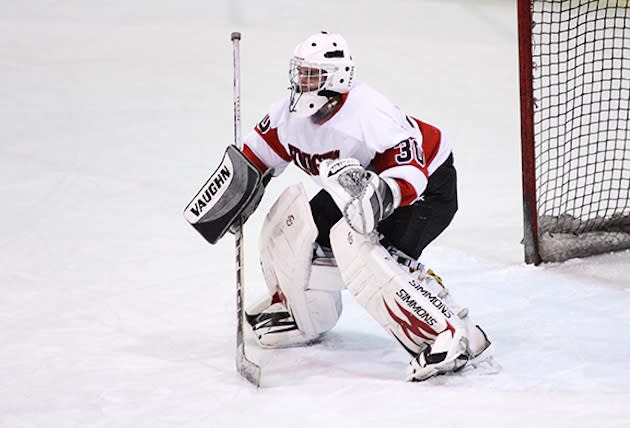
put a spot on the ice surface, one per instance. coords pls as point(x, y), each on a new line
point(115, 313)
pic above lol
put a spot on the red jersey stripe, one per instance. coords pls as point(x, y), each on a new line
point(249, 154)
point(431, 139)
point(408, 193)
point(404, 153)
point(270, 135)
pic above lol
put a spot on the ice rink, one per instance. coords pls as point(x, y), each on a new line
point(115, 313)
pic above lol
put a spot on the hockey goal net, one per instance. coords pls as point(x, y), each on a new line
point(575, 127)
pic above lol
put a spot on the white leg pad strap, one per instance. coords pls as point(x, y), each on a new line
point(286, 253)
point(409, 308)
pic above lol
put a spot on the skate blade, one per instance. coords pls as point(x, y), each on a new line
point(488, 366)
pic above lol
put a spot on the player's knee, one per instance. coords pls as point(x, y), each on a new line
point(311, 297)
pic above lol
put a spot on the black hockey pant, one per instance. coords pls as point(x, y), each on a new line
point(410, 229)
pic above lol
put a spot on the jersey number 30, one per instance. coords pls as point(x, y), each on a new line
point(408, 151)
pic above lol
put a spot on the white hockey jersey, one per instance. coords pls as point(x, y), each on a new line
point(367, 127)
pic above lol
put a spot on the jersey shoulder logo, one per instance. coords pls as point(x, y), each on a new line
point(264, 125)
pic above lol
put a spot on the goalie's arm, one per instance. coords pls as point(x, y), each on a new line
point(232, 192)
point(253, 158)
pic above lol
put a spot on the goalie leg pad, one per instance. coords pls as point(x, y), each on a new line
point(415, 309)
point(286, 255)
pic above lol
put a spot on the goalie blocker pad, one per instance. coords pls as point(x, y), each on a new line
point(234, 189)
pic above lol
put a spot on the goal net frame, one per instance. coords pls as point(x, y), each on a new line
point(574, 61)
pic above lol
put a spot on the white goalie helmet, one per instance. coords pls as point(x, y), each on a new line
point(321, 66)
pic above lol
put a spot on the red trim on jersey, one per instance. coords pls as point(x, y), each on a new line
point(270, 135)
point(249, 154)
point(431, 140)
point(407, 192)
point(402, 154)
point(407, 153)
point(390, 158)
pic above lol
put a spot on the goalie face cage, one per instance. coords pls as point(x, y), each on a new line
point(575, 126)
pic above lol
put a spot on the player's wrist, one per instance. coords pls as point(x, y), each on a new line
point(394, 188)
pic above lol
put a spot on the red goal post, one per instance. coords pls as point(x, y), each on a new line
point(574, 60)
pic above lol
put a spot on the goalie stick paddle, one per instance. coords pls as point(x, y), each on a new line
point(246, 368)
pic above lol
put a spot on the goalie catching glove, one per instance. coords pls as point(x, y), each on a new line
point(232, 193)
point(363, 197)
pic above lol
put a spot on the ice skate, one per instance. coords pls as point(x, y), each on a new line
point(451, 353)
point(274, 325)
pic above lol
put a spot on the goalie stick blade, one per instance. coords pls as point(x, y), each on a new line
point(246, 368)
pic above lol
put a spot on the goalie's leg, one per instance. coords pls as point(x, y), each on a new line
point(414, 308)
point(304, 298)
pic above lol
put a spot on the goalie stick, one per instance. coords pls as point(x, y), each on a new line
point(245, 367)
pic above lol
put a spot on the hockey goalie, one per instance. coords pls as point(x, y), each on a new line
point(388, 189)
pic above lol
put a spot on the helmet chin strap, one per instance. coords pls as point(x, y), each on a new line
point(335, 101)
